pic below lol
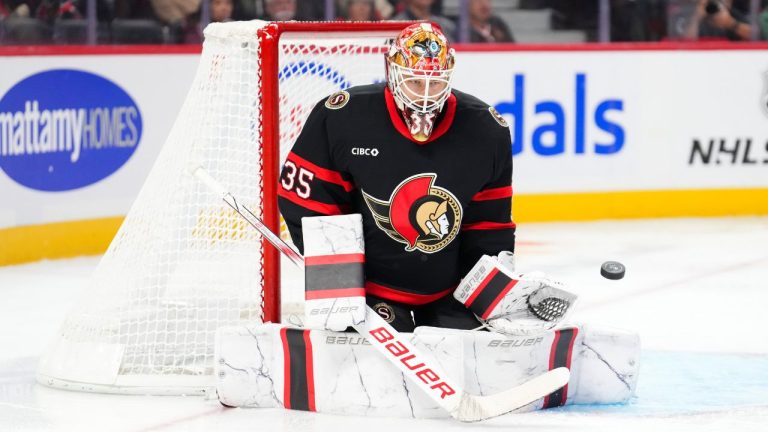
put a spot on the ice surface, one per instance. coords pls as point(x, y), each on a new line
point(696, 290)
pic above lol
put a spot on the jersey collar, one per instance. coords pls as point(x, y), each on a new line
point(441, 128)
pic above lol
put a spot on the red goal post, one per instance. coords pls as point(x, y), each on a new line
point(269, 37)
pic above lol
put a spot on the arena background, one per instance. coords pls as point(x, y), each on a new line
point(600, 132)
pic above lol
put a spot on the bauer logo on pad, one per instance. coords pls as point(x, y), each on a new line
point(64, 129)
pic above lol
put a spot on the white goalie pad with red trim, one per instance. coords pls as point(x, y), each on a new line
point(334, 259)
point(269, 365)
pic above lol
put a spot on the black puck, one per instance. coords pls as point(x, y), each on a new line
point(613, 270)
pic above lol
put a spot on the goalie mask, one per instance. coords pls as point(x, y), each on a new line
point(419, 69)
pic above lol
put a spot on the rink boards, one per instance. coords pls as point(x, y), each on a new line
point(646, 131)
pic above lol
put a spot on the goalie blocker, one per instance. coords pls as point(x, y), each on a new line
point(334, 256)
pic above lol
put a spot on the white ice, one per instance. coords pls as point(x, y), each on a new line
point(696, 290)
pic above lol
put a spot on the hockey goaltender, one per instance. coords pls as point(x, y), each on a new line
point(399, 196)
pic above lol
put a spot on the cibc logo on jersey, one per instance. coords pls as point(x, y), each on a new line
point(419, 214)
point(363, 151)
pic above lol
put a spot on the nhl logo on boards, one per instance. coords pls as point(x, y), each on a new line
point(496, 116)
point(337, 100)
point(419, 214)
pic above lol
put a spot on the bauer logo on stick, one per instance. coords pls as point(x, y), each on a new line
point(337, 100)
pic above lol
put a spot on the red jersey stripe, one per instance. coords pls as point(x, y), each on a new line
point(492, 194)
point(387, 293)
point(324, 174)
point(488, 226)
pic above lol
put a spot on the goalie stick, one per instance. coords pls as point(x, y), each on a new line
point(420, 370)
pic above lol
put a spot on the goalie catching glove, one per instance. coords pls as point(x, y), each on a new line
point(513, 303)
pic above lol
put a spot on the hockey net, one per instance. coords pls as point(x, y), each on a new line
point(183, 264)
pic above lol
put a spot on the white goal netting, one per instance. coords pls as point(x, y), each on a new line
point(183, 264)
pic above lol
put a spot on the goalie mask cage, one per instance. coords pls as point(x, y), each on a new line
point(183, 263)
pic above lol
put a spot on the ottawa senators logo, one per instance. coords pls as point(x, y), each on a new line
point(498, 117)
point(385, 311)
point(418, 214)
point(337, 100)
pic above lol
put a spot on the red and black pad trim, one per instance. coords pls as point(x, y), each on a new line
point(489, 293)
point(329, 276)
point(560, 356)
point(299, 377)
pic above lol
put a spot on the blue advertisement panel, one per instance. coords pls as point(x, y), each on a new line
point(65, 129)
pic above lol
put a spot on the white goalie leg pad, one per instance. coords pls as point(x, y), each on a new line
point(604, 362)
point(513, 303)
point(609, 362)
point(245, 365)
point(334, 258)
point(315, 370)
point(271, 365)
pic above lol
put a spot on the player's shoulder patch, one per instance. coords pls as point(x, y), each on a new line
point(496, 116)
point(337, 100)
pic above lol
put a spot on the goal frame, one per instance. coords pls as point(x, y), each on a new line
point(93, 365)
point(269, 38)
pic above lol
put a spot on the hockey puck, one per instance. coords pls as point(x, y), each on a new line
point(612, 270)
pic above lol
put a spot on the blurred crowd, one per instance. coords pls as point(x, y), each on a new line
point(487, 21)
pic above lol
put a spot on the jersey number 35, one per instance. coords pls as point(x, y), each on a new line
point(290, 182)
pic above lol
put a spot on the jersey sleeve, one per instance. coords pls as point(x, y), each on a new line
point(310, 183)
point(487, 227)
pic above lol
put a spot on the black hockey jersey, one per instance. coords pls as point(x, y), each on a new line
point(429, 210)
